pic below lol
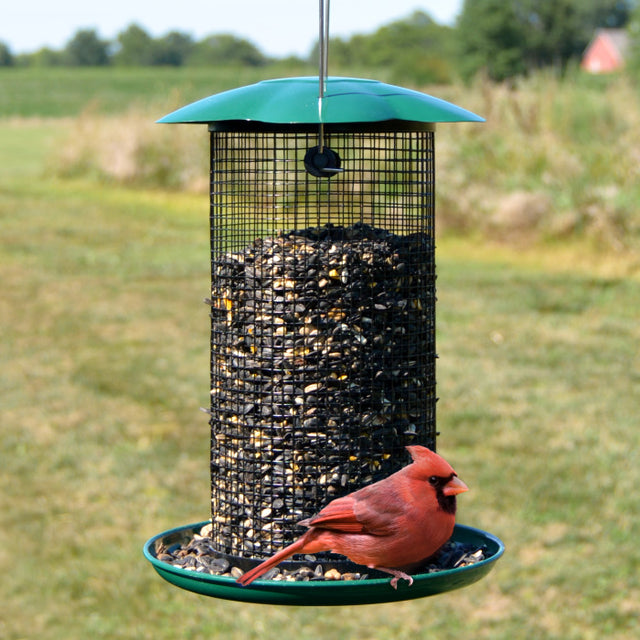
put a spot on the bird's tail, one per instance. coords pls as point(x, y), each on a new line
point(283, 554)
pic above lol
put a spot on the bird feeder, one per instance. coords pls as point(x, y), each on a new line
point(322, 319)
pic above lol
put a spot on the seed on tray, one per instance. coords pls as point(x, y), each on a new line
point(454, 554)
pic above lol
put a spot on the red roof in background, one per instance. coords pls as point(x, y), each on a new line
point(606, 51)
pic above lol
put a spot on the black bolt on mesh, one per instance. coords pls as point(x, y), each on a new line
point(322, 322)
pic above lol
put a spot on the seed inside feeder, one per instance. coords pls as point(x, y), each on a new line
point(323, 359)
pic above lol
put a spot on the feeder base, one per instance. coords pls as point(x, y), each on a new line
point(370, 591)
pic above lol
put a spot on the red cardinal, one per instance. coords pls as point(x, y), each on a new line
point(392, 525)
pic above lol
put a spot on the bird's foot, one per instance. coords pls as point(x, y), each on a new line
point(397, 575)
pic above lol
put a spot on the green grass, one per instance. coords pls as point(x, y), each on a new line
point(104, 365)
point(61, 91)
point(64, 91)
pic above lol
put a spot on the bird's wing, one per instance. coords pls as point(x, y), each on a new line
point(338, 515)
point(361, 512)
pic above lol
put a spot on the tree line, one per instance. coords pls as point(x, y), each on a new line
point(502, 38)
point(135, 47)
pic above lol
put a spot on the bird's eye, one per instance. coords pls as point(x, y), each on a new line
point(433, 480)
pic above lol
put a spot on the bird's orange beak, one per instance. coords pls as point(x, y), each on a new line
point(454, 487)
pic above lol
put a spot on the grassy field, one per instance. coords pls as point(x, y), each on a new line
point(104, 358)
point(60, 91)
point(63, 91)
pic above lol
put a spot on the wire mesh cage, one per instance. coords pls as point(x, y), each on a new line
point(322, 320)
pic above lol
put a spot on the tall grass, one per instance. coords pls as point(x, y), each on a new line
point(554, 159)
point(132, 149)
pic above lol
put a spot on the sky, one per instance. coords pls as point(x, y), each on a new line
point(277, 27)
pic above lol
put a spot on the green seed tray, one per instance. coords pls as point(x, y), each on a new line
point(328, 593)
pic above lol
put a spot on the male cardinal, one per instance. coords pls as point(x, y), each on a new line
point(392, 525)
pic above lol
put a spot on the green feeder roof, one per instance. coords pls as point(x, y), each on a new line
point(295, 101)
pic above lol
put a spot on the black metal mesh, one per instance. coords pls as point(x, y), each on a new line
point(323, 324)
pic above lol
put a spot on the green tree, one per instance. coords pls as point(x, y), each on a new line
point(355, 51)
point(491, 36)
point(554, 33)
point(415, 48)
point(172, 49)
point(633, 62)
point(86, 49)
point(612, 14)
point(44, 57)
point(226, 49)
point(6, 57)
point(135, 47)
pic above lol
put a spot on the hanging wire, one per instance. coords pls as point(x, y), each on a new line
point(323, 62)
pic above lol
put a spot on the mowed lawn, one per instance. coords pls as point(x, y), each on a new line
point(104, 365)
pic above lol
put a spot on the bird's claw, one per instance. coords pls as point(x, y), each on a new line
point(404, 576)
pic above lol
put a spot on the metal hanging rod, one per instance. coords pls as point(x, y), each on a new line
point(324, 6)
